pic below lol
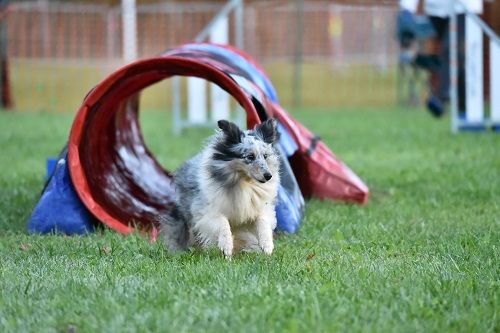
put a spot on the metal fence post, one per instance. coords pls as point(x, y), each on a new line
point(297, 68)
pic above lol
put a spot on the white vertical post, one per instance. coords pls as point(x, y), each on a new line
point(217, 31)
point(473, 71)
point(219, 99)
point(176, 105)
point(495, 82)
point(197, 100)
point(129, 23)
point(219, 103)
point(238, 25)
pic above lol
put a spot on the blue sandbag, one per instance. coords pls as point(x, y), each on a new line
point(59, 209)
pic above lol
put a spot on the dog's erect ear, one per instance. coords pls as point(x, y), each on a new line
point(267, 131)
point(231, 131)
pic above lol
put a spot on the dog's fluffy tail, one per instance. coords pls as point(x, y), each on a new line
point(174, 229)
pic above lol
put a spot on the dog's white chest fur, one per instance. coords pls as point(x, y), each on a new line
point(244, 203)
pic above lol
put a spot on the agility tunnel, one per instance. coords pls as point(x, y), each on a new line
point(118, 181)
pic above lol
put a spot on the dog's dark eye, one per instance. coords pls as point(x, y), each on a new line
point(250, 157)
point(265, 155)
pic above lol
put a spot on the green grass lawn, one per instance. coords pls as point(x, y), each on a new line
point(422, 256)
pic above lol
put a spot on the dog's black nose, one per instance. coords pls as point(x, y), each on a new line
point(268, 176)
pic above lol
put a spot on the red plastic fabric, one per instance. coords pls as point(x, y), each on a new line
point(113, 172)
point(318, 171)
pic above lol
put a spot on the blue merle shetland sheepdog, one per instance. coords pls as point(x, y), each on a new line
point(226, 194)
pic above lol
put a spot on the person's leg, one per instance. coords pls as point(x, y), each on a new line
point(439, 77)
point(443, 87)
point(461, 62)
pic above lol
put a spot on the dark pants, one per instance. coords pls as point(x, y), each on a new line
point(440, 78)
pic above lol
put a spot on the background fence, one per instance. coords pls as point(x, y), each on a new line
point(345, 54)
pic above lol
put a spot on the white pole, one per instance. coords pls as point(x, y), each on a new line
point(220, 31)
point(219, 99)
point(495, 82)
point(238, 25)
point(176, 105)
point(474, 105)
point(129, 23)
point(197, 100)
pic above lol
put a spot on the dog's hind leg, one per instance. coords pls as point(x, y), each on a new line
point(214, 229)
point(174, 230)
point(245, 239)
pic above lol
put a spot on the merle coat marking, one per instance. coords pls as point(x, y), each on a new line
point(227, 193)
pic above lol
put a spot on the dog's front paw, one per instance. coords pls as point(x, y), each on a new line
point(267, 246)
point(226, 245)
point(264, 229)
